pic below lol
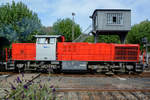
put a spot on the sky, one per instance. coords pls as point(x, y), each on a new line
point(49, 11)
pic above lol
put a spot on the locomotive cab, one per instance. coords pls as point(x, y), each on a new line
point(46, 47)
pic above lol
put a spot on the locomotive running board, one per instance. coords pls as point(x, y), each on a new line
point(74, 65)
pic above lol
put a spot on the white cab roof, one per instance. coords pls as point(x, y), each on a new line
point(45, 36)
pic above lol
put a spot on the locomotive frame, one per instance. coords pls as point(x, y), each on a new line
point(75, 56)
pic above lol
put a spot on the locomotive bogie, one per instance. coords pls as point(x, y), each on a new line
point(114, 66)
point(36, 65)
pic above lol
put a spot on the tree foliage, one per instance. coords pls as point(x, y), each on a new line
point(64, 27)
point(109, 39)
point(138, 31)
point(104, 39)
point(46, 30)
point(90, 39)
point(18, 23)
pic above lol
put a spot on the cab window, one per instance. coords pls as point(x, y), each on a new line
point(42, 40)
point(52, 40)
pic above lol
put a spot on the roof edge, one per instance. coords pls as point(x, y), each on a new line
point(109, 10)
point(44, 36)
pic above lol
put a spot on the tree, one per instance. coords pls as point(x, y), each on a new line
point(64, 27)
point(47, 30)
point(18, 23)
point(104, 39)
point(90, 39)
point(109, 39)
point(138, 31)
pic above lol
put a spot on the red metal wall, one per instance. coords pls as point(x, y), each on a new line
point(84, 51)
point(23, 51)
point(97, 52)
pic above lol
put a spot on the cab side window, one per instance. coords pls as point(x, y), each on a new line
point(52, 40)
point(43, 40)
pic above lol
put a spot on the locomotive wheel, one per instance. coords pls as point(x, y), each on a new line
point(90, 71)
point(139, 69)
point(2, 68)
point(50, 70)
point(127, 71)
point(57, 71)
point(17, 69)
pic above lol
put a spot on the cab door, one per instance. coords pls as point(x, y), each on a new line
point(46, 49)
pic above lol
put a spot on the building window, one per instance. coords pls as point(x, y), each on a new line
point(114, 18)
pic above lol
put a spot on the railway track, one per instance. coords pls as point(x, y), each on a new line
point(144, 74)
point(10, 73)
point(69, 88)
point(72, 90)
point(104, 95)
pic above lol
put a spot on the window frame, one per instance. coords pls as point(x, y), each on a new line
point(54, 40)
point(119, 18)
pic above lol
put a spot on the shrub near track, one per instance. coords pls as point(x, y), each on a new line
point(22, 89)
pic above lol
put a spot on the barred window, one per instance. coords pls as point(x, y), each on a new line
point(114, 18)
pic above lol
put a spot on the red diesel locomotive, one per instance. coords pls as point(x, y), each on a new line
point(52, 55)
